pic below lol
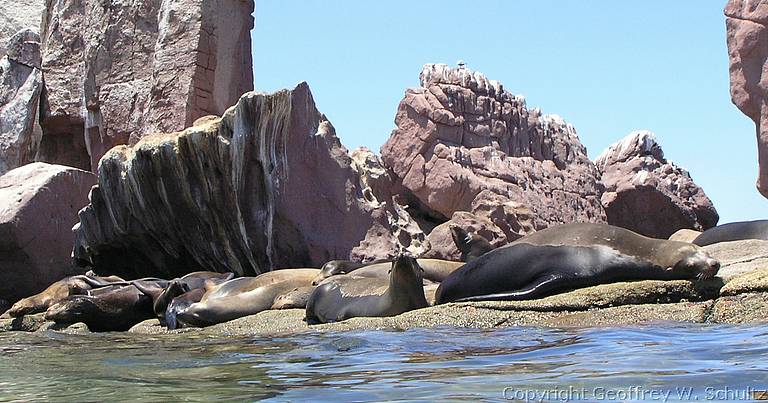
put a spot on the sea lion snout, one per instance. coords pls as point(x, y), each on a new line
point(699, 265)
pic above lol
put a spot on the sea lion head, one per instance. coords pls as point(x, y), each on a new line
point(471, 246)
point(697, 264)
point(71, 310)
point(334, 268)
point(406, 269)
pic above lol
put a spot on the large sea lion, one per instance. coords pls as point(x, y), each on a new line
point(115, 310)
point(73, 285)
point(296, 298)
point(344, 297)
point(524, 271)
point(180, 304)
point(660, 252)
point(735, 231)
point(434, 270)
point(243, 296)
point(471, 246)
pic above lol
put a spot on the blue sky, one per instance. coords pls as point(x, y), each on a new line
point(607, 67)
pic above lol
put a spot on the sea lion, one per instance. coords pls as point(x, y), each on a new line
point(296, 298)
point(116, 310)
point(660, 252)
point(72, 285)
point(180, 304)
point(345, 297)
point(336, 267)
point(524, 271)
point(471, 246)
point(434, 270)
point(735, 231)
point(243, 296)
point(163, 296)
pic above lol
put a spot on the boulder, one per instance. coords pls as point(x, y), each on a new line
point(117, 71)
point(441, 242)
point(20, 86)
point(648, 194)
point(684, 235)
point(463, 143)
point(38, 207)
point(17, 15)
point(747, 35)
point(268, 185)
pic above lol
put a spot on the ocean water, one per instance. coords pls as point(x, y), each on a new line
point(655, 362)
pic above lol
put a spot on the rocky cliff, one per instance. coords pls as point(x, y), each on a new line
point(17, 15)
point(648, 194)
point(266, 186)
point(747, 33)
point(463, 143)
point(115, 72)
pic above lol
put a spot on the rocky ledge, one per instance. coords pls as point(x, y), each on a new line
point(738, 295)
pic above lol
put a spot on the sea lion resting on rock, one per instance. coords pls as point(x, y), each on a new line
point(73, 285)
point(243, 296)
point(524, 271)
point(344, 297)
point(434, 270)
point(114, 310)
point(735, 231)
point(296, 298)
point(660, 252)
point(162, 296)
point(471, 246)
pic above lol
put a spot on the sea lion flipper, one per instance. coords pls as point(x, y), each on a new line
point(539, 287)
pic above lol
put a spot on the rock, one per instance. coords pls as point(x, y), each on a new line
point(747, 34)
point(17, 15)
point(27, 323)
point(739, 257)
point(441, 242)
point(118, 71)
point(268, 185)
point(20, 86)
point(38, 207)
point(4, 306)
point(648, 194)
point(462, 143)
point(684, 235)
point(743, 308)
point(74, 328)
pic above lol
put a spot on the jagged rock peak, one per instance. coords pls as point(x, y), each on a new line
point(636, 144)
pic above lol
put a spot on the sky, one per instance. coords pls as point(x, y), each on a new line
point(607, 67)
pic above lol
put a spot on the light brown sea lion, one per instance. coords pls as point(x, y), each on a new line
point(115, 310)
point(348, 296)
point(296, 298)
point(243, 296)
point(434, 270)
point(73, 285)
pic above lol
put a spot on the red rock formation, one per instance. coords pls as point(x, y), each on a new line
point(648, 194)
point(38, 207)
point(119, 71)
point(266, 186)
point(20, 86)
point(747, 32)
point(462, 143)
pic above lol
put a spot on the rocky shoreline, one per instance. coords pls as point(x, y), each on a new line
point(738, 295)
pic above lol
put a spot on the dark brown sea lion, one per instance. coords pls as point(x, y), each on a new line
point(116, 310)
point(180, 304)
point(435, 270)
point(660, 252)
point(296, 298)
point(243, 296)
point(73, 285)
point(735, 231)
point(163, 295)
point(524, 271)
point(471, 246)
point(344, 297)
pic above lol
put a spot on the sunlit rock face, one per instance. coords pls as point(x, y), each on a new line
point(116, 71)
point(747, 33)
point(266, 186)
point(38, 207)
point(21, 83)
point(463, 143)
point(648, 194)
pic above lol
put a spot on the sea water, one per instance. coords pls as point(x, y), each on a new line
point(654, 362)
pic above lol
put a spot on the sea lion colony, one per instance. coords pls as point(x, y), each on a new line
point(548, 262)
